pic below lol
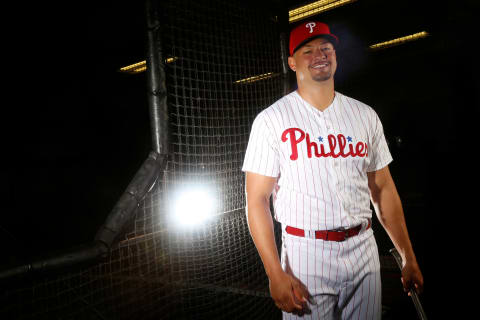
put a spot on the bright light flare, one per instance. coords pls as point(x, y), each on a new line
point(194, 206)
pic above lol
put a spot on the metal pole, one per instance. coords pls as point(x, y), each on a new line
point(108, 233)
point(284, 32)
point(413, 294)
point(284, 58)
point(157, 91)
point(144, 180)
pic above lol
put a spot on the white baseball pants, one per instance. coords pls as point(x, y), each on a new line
point(343, 278)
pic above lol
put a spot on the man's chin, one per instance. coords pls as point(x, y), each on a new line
point(323, 77)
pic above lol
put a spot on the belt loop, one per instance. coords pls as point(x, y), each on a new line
point(310, 234)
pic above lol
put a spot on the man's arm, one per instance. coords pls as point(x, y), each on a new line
point(389, 210)
point(287, 292)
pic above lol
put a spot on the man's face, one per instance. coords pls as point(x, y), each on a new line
point(315, 61)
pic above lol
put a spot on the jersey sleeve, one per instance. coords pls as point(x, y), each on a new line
point(262, 156)
point(379, 153)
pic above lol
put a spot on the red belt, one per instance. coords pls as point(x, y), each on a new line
point(328, 235)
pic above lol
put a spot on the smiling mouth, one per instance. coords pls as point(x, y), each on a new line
point(319, 66)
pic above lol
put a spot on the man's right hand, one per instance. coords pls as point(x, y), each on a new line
point(289, 294)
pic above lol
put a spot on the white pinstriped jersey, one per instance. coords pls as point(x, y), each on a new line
point(320, 158)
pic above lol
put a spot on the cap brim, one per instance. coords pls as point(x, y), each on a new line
point(333, 39)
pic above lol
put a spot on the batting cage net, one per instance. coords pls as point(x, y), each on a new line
point(188, 253)
point(222, 65)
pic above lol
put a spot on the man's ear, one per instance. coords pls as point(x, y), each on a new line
point(292, 64)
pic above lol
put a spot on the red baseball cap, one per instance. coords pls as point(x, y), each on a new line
point(307, 31)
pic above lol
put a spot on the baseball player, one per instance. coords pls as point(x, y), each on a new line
point(323, 156)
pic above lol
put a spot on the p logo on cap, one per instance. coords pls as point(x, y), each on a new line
point(311, 25)
point(307, 31)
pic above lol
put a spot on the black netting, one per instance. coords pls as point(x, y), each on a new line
point(161, 270)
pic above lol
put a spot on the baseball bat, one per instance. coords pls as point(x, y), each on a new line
point(413, 293)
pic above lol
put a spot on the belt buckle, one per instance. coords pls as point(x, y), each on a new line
point(309, 234)
point(346, 233)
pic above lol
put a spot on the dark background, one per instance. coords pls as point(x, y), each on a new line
point(76, 130)
point(79, 129)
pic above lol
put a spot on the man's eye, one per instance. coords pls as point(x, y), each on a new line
point(308, 51)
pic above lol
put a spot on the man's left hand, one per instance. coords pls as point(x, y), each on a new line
point(412, 277)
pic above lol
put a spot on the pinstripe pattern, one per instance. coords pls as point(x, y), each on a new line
point(321, 160)
point(319, 189)
point(347, 283)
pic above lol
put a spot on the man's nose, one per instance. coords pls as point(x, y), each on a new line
point(318, 52)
